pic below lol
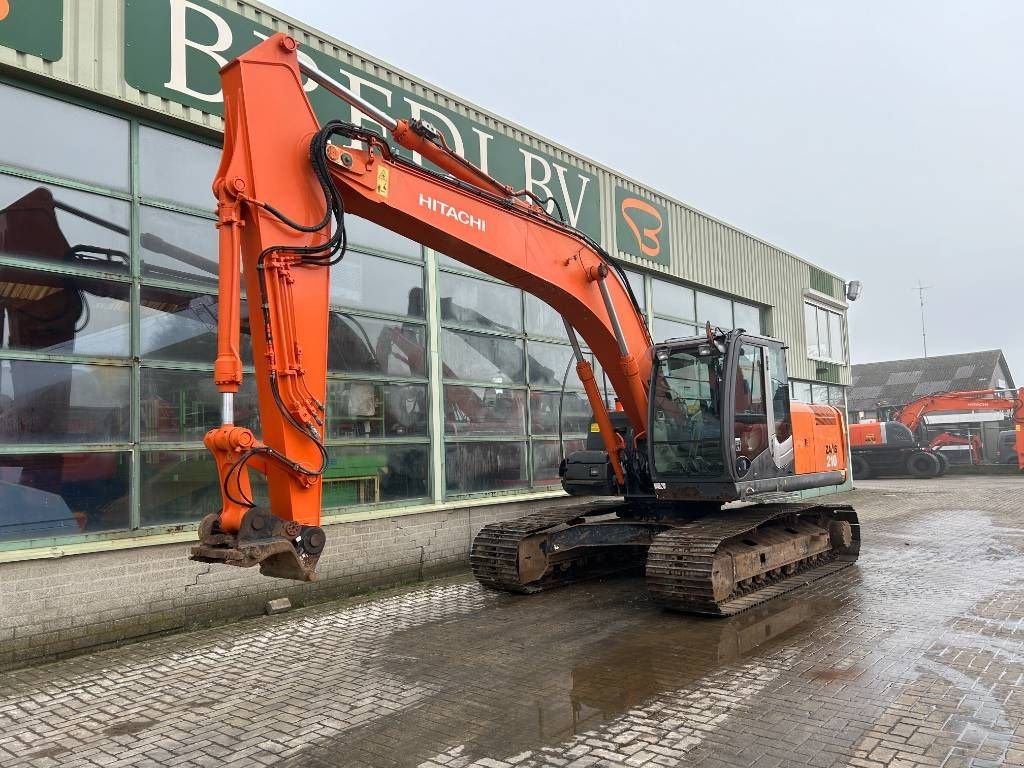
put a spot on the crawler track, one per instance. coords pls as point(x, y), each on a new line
point(680, 561)
point(495, 554)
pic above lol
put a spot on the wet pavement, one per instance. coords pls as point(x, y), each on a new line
point(913, 657)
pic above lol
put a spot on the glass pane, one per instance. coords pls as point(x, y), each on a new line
point(484, 411)
point(62, 314)
point(63, 403)
point(375, 473)
point(541, 319)
point(362, 232)
point(576, 413)
point(802, 391)
point(672, 299)
point(549, 363)
point(178, 247)
point(181, 487)
point(824, 343)
point(468, 301)
point(478, 466)
point(714, 309)
point(365, 409)
point(37, 134)
point(547, 457)
point(449, 263)
point(636, 282)
point(381, 285)
point(62, 494)
point(836, 398)
point(811, 329)
point(819, 394)
point(670, 329)
point(747, 317)
point(835, 332)
point(182, 406)
point(368, 345)
point(47, 224)
point(475, 357)
point(686, 430)
point(182, 325)
point(180, 170)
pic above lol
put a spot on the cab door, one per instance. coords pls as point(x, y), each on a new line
point(762, 439)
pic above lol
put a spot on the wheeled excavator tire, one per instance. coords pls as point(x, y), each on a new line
point(860, 467)
point(719, 564)
point(923, 464)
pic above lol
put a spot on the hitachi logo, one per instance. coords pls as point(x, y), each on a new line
point(451, 212)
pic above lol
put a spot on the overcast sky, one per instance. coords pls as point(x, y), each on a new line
point(880, 140)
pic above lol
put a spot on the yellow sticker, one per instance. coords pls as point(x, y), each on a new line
point(382, 181)
point(594, 427)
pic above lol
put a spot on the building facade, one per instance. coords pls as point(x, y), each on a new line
point(446, 386)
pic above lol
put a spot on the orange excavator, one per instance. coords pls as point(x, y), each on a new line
point(706, 421)
point(897, 447)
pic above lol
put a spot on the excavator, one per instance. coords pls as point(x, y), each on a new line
point(701, 464)
point(894, 447)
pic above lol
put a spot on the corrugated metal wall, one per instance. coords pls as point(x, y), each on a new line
point(703, 250)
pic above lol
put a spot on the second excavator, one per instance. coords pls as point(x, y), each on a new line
point(706, 448)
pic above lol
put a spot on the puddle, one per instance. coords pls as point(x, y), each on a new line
point(510, 681)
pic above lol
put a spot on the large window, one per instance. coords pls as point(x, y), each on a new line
point(824, 331)
point(681, 311)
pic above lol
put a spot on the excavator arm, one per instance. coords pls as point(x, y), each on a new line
point(283, 188)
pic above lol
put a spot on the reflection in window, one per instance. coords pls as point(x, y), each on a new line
point(182, 325)
point(467, 301)
point(178, 247)
point(366, 409)
point(63, 403)
point(547, 457)
point(362, 232)
point(824, 331)
point(541, 319)
point(482, 466)
point(182, 406)
point(484, 411)
point(672, 299)
point(670, 329)
point(64, 494)
point(63, 314)
point(714, 309)
point(636, 283)
point(476, 357)
point(747, 317)
point(368, 345)
point(576, 413)
point(369, 282)
point(802, 391)
point(375, 473)
point(54, 225)
point(177, 169)
point(687, 430)
point(180, 487)
point(549, 363)
point(36, 131)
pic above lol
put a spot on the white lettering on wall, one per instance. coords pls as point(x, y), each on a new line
point(356, 85)
point(540, 185)
point(180, 45)
point(483, 139)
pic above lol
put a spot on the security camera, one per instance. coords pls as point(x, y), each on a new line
point(853, 289)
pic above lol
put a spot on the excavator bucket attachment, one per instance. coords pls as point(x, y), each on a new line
point(281, 548)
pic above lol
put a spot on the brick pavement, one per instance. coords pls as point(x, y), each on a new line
point(911, 658)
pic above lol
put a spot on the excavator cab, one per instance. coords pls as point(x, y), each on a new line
point(721, 421)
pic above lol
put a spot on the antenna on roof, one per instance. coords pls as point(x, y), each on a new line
point(920, 294)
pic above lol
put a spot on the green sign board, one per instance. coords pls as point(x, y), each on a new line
point(641, 226)
point(174, 49)
point(33, 26)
